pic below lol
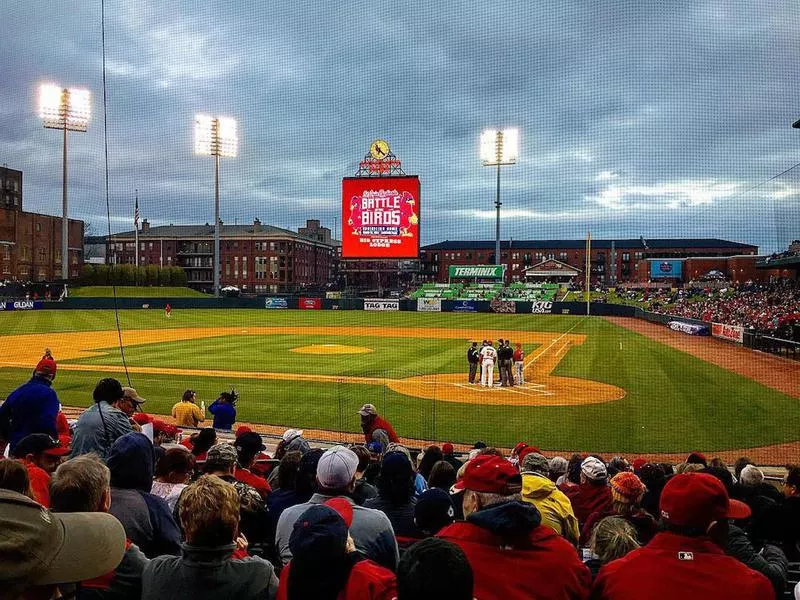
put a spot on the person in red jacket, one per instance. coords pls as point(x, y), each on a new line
point(592, 494)
point(248, 446)
point(325, 564)
point(687, 559)
point(512, 555)
point(41, 456)
point(376, 428)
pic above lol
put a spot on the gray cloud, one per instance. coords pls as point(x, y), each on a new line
point(636, 118)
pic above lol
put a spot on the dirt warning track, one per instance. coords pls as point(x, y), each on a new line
point(542, 388)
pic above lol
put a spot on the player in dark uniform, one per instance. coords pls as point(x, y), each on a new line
point(473, 358)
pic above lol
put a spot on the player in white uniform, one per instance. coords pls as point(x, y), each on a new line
point(488, 358)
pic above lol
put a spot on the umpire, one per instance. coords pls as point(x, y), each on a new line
point(473, 358)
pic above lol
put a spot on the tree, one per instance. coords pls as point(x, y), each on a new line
point(151, 275)
point(100, 275)
point(87, 275)
point(165, 276)
point(178, 277)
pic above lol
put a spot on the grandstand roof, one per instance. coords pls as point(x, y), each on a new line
point(251, 230)
point(629, 244)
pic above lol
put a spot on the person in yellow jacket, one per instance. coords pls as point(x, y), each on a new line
point(186, 412)
point(554, 506)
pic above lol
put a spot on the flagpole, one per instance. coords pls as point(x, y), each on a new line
point(136, 228)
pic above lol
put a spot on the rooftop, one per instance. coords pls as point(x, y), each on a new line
point(625, 244)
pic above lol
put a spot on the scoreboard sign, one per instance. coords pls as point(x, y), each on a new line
point(380, 217)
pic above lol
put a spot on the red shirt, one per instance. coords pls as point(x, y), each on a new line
point(40, 483)
point(518, 355)
point(673, 566)
point(379, 423)
point(546, 569)
point(368, 581)
point(253, 480)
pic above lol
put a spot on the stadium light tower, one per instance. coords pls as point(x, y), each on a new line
point(215, 136)
point(67, 110)
point(499, 148)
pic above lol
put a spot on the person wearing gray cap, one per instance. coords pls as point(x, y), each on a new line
point(371, 529)
point(375, 427)
point(553, 505)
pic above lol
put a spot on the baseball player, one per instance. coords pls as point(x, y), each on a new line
point(488, 358)
point(519, 363)
point(168, 311)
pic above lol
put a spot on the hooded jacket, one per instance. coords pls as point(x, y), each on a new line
point(553, 505)
point(31, 408)
point(587, 498)
point(146, 518)
point(380, 423)
point(513, 557)
point(367, 581)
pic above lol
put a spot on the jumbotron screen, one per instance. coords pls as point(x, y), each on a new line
point(380, 217)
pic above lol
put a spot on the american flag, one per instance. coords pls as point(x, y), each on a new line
point(136, 213)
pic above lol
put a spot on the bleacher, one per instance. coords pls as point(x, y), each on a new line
point(522, 292)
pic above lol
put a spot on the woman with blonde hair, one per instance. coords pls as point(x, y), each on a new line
point(612, 538)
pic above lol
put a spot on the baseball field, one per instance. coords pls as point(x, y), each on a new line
point(591, 383)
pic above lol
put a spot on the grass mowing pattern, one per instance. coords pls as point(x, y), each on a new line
point(675, 402)
point(132, 291)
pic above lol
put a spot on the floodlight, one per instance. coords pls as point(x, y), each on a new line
point(499, 147)
point(215, 136)
point(62, 108)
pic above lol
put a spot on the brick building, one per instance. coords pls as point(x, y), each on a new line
point(612, 261)
point(256, 258)
point(30, 243)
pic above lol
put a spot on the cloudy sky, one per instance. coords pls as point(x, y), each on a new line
point(640, 118)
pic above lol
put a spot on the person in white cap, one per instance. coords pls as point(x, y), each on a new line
point(293, 440)
point(593, 493)
point(371, 529)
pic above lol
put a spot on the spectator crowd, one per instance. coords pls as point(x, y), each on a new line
point(122, 505)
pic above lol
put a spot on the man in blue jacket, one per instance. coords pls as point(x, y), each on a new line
point(32, 407)
point(224, 410)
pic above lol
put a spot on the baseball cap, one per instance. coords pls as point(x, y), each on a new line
point(697, 500)
point(594, 468)
point(344, 507)
point(168, 429)
point(39, 547)
point(638, 463)
point(697, 458)
point(490, 474)
point(46, 366)
point(40, 443)
point(242, 429)
point(250, 441)
point(368, 409)
point(221, 455)
point(558, 465)
point(535, 463)
point(130, 394)
point(448, 448)
point(375, 447)
point(434, 510)
point(336, 467)
point(320, 532)
point(290, 434)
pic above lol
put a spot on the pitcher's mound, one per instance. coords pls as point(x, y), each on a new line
point(331, 349)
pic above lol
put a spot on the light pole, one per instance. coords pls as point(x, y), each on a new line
point(215, 136)
point(67, 110)
point(499, 148)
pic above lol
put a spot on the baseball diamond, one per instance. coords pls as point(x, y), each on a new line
point(590, 382)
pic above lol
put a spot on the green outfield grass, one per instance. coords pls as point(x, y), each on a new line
point(132, 291)
point(674, 402)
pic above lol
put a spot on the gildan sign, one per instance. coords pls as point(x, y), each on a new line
point(429, 305)
point(21, 305)
point(732, 333)
point(476, 271)
point(380, 217)
point(378, 304)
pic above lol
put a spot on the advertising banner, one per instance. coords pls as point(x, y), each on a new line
point(275, 303)
point(380, 304)
point(333, 295)
point(380, 217)
point(309, 303)
point(541, 307)
point(666, 269)
point(22, 305)
point(732, 333)
point(429, 305)
point(689, 328)
point(465, 306)
point(503, 306)
point(476, 271)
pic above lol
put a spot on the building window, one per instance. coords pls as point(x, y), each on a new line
point(562, 256)
point(41, 254)
point(236, 267)
point(626, 256)
point(38, 227)
point(244, 267)
point(227, 267)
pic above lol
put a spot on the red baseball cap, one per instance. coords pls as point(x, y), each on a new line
point(344, 508)
point(39, 443)
point(47, 366)
point(447, 448)
point(242, 429)
point(697, 500)
point(638, 463)
point(490, 474)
